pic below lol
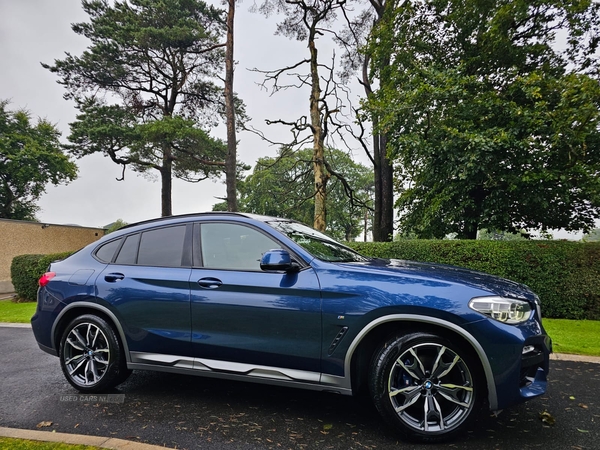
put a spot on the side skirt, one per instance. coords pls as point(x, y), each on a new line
point(226, 370)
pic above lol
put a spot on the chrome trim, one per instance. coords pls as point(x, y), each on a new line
point(184, 362)
point(251, 370)
point(346, 382)
point(91, 305)
point(218, 366)
point(235, 371)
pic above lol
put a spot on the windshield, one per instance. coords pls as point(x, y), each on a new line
point(317, 244)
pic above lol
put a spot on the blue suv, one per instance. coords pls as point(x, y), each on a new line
point(268, 300)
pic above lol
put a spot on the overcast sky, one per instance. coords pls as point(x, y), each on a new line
point(34, 31)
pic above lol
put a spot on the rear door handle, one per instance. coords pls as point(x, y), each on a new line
point(209, 283)
point(114, 277)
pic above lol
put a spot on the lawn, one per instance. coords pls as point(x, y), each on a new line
point(579, 337)
point(16, 312)
point(24, 444)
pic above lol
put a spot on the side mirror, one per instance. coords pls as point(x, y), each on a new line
point(277, 260)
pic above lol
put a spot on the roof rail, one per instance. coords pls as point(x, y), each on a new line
point(158, 219)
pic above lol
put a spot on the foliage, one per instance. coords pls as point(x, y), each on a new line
point(307, 21)
point(592, 235)
point(575, 337)
point(491, 124)
point(145, 84)
point(495, 235)
point(26, 270)
point(565, 275)
point(116, 225)
point(353, 38)
point(30, 158)
point(283, 187)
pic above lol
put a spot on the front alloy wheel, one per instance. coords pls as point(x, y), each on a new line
point(423, 386)
point(90, 355)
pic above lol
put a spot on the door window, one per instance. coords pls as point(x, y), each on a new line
point(162, 247)
point(233, 247)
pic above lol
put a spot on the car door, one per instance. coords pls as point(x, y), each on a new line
point(147, 286)
point(246, 320)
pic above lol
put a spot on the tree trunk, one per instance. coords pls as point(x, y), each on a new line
point(321, 176)
point(383, 220)
point(386, 224)
point(166, 178)
point(231, 161)
point(472, 213)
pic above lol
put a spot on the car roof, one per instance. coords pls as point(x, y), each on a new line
point(206, 214)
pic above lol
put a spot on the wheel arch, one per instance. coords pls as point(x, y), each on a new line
point(377, 332)
point(74, 310)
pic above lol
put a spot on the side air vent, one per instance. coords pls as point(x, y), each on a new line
point(337, 340)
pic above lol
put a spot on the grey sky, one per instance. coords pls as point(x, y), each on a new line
point(34, 31)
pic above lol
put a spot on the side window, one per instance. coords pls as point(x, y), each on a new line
point(129, 251)
point(106, 252)
point(233, 247)
point(162, 247)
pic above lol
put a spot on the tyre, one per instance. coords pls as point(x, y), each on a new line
point(91, 356)
point(425, 387)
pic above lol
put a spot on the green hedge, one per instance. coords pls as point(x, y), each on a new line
point(566, 275)
point(26, 270)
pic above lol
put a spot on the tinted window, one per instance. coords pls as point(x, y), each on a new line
point(162, 247)
point(235, 247)
point(106, 252)
point(128, 253)
point(316, 243)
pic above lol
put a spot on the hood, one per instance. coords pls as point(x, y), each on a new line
point(494, 284)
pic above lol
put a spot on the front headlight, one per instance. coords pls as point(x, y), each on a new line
point(506, 310)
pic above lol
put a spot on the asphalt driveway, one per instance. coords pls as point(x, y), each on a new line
point(188, 412)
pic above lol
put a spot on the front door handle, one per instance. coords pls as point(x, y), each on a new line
point(114, 277)
point(209, 283)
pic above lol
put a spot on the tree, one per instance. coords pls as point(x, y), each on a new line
point(30, 158)
point(145, 84)
point(283, 187)
point(490, 123)
point(353, 40)
point(231, 160)
point(116, 225)
point(307, 20)
point(592, 236)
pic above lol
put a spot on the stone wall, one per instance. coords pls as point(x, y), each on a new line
point(18, 237)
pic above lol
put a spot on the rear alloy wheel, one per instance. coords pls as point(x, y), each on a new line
point(90, 355)
point(425, 387)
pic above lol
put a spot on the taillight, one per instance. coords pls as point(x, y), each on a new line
point(46, 278)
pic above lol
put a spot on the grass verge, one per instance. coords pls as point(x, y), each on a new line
point(578, 337)
point(25, 444)
point(16, 312)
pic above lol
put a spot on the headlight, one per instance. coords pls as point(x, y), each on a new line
point(506, 310)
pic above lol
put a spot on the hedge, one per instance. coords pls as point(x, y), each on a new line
point(26, 270)
point(565, 274)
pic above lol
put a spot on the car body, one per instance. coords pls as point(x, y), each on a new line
point(268, 300)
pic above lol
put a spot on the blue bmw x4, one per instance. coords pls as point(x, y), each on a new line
point(269, 300)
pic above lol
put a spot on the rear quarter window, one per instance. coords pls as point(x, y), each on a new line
point(106, 252)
